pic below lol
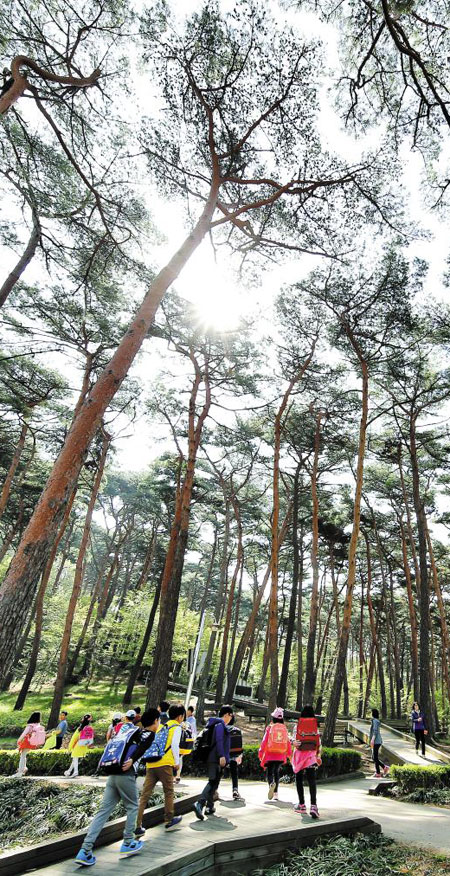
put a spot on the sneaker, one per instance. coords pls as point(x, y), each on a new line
point(139, 832)
point(386, 771)
point(86, 859)
point(377, 776)
point(131, 848)
point(215, 796)
point(198, 809)
point(314, 812)
point(300, 808)
point(236, 795)
point(275, 795)
point(272, 787)
point(210, 810)
point(67, 773)
point(170, 825)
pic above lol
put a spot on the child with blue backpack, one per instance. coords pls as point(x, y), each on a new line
point(162, 759)
point(119, 761)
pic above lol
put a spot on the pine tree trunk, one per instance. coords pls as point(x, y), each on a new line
point(310, 670)
point(227, 624)
point(299, 555)
point(39, 611)
point(6, 489)
point(424, 592)
point(282, 690)
point(412, 613)
point(76, 589)
point(18, 587)
point(442, 613)
point(251, 622)
point(203, 680)
point(173, 569)
point(24, 260)
point(335, 695)
point(134, 671)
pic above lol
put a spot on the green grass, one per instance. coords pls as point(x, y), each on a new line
point(371, 855)
point(100, 700)
point(32, 811)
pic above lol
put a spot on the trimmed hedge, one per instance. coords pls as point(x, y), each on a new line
point(335, 762)
point(412, 777)
point(48, 763)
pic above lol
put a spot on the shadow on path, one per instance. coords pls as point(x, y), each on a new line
point(212, 823)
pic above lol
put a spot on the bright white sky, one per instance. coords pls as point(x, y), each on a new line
point(214, 287)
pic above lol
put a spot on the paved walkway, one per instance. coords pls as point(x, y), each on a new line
point(424, 826)
point(399, 745)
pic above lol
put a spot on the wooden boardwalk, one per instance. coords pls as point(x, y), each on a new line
point(398, 747)
point(241, 836)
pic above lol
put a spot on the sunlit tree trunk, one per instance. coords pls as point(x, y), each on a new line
point(282, 690)
point(19, 585)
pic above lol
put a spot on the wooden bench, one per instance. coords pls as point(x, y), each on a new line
point(257, 713)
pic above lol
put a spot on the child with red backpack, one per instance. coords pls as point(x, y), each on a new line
point(306, 759)
point(32, 737)
point(274, 750)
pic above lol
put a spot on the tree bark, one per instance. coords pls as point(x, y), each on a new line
point(251, 622)
point(134, 671)
point(173, 569)
point(234, 577)
point(19, 585)
point(76, 589)
point(424, 592)
point(273, 599)
point(282, 690)
point(335, 695)
point(310, 670)
point(39, 611)
point(6, 489)
point(24, 260)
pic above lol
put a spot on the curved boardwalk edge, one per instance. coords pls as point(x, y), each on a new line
point(24, 860)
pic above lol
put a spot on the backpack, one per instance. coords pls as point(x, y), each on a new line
point(37, 737)
point(277, 739)
point(158, 748)
point(117, 750)
point(203, 744)
point(186, 741)
point(236, 747)
point(307, 734)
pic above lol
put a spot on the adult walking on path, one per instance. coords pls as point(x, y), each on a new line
point(79, 745)
point(375, 742)
point(218, 757)
point(32, 737)
point(121, 785)
point(419, 727)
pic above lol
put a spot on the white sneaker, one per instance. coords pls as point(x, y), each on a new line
point(275, 795)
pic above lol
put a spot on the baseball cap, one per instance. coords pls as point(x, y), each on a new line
point(117, 716)
point(130, 714)
point(278, 712)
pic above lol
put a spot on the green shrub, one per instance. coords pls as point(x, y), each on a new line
point(335, 762)
point(412, 777)
point(434, 796)
point(48, 763)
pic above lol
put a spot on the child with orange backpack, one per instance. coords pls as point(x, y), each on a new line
point(274, 750)
point(306, 758)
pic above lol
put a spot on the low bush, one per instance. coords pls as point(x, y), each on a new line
point(412, 777)
point(363, 855)
point(434, 796)
point(335, 762)
point(48, 763)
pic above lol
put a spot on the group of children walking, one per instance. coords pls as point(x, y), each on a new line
point(161, 736)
